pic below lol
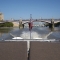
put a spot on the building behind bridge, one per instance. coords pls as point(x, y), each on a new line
point(1, 17)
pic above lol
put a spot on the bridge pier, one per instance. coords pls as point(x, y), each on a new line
point(20, 24)
point(51, 25)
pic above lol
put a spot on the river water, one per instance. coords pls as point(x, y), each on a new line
point(36, 32)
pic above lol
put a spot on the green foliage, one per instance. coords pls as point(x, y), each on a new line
point(6, 24)
point(57, 24)
point(1, 24)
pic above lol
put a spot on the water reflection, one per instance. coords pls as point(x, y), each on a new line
point(4, 30)
point(37, 32)
point(54, 29)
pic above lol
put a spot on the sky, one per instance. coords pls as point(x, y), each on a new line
point(17, 9)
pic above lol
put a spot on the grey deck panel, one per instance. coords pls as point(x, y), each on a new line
point(44, 51)
point(13, 50)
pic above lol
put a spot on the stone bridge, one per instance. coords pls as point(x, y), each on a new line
point(16, 22)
